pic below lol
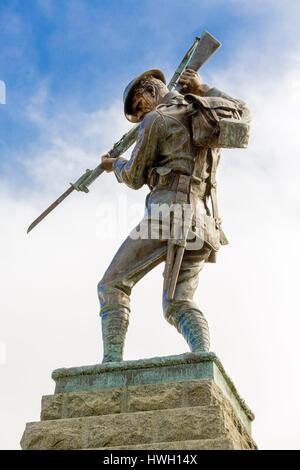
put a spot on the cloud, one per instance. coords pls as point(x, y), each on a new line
point(41, 273)
point(2, 92)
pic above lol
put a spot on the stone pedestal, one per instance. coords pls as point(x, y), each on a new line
point(175, 402)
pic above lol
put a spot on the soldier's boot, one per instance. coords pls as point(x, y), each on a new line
point(193, 327)
point(114, 329)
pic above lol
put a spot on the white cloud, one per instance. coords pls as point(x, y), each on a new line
point(2, 92)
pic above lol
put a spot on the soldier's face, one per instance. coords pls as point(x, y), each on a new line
point(143, 101)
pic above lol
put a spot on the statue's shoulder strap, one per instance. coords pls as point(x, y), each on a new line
point(215, 157)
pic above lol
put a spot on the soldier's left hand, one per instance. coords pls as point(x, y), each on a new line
point(107, 162)
point(191, 82)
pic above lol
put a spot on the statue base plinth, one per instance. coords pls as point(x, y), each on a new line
point(175, 402)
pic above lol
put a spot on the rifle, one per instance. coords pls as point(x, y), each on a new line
point(201, 50)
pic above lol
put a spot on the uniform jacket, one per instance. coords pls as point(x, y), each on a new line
point(165, 145)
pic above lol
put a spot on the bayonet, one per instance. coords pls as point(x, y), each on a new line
point(50, 208)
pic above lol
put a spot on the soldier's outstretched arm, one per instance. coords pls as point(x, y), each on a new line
point(133, 172)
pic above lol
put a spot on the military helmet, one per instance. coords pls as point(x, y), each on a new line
point(128, 92)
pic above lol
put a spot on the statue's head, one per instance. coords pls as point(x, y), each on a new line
point(143, 94)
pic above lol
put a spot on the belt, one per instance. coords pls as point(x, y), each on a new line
point(174, 181)
point(179, 182)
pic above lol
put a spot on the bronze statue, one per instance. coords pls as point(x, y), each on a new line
point(176, 155)
point(180, 131)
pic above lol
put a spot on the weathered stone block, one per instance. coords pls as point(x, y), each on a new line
point(124, 429)
point(189, 423)
point(72, 405)
point(93, 404)
point(52, 406)
point(201, 392)
point(154, 397)
point(60, 434)
point(203, 444)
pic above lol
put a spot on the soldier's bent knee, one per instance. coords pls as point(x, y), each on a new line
point(101, 286)
point(172, 307)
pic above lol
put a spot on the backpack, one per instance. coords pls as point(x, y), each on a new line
point(217, 122)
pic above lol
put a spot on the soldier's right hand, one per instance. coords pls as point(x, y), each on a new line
point(190, 82)
point(107, 162)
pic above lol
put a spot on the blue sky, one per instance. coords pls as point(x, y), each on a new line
point(92, 47)
point(85, 51)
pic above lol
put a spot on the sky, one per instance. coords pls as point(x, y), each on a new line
point(65, 65)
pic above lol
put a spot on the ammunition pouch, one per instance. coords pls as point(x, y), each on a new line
point(216, 122)
point(211, 232)
point(167, 178)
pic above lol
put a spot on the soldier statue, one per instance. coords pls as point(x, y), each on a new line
point(176, 155)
